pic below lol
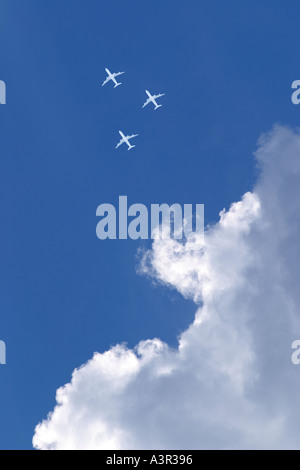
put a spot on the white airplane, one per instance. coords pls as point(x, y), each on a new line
point(126, 139)
point(112, 76)
point(152, 99)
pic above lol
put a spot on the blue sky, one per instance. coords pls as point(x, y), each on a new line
point(226, 69)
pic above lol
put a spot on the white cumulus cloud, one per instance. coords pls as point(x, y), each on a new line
point(231, 383)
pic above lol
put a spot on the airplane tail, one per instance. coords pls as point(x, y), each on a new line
point(118, 84)
point(158, 106)
point(131, 147)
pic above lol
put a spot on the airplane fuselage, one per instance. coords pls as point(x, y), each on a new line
point(153, 100)
point(126, 140)
point(151, 97)
point(112, 77)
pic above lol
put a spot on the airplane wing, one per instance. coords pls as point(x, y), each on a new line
point(158, 96)
point(147, 102)
point(106, 81)
point(117, 74)
point(120, 143)
point(131, 136)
